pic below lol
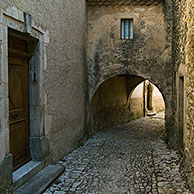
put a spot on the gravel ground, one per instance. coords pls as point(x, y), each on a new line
point(129, 158)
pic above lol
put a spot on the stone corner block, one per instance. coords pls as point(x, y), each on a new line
point(5, 173)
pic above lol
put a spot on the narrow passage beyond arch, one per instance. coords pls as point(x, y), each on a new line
point(124, 98)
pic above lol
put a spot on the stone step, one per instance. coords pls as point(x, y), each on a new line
point(25, 173)
point(39, 182)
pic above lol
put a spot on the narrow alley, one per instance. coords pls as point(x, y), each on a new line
point(130, 158)
point(97, 96)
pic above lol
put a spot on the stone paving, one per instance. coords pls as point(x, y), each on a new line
point(131, 158)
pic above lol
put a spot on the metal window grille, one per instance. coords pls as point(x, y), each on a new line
point(126, 29)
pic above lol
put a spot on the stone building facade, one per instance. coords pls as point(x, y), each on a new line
point(184, 68)
point(57, 78)
point(81, 72)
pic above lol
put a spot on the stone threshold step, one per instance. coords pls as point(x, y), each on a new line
point(39, 182)
point(25, 173)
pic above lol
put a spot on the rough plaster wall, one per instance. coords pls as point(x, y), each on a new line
point(184, 49)
point(136, 101)
point(109, 104)
point(112, 93)
point(136, 107)
point(158, 103)
point(149, 55)
point(65, 76)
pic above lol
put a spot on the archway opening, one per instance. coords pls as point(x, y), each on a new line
point(146, 100)
point(123, 98)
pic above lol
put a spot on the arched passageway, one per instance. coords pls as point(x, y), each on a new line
point(129, 157)
point(123, 98)
point(145, 100)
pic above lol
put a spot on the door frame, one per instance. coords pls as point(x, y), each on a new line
point(12, 21)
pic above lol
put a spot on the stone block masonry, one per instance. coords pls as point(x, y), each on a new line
point(184, 66)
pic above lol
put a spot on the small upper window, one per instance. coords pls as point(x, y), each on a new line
point(126, 29)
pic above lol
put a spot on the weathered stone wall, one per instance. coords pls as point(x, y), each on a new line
point(184, 57)
point(63, 95)
point(148, 55)
point(137, 107)
point(110, 103)
point(144, 55)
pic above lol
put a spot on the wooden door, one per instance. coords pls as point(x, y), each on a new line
point(18, 104)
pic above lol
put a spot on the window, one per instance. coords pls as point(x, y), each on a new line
point(126, 29)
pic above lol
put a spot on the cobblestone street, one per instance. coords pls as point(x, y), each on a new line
point(130, 158)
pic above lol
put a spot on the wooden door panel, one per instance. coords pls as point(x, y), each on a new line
point(15, 60)
point(16, 115)
point(18, 109)
point(17, 43)
point(16, 79)
point(17, 137)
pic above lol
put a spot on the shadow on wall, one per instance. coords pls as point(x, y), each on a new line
point(123, 98)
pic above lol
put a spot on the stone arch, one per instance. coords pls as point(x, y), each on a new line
point(96, 122)
point(95, 84)
point(141, 92)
